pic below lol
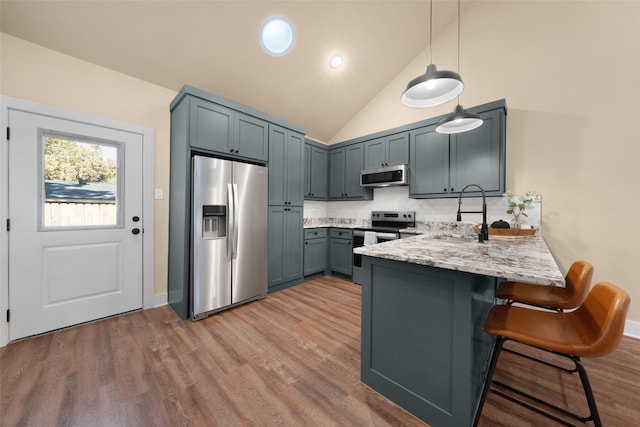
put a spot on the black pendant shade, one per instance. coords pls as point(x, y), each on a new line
point(432, 88)
point(459, 121)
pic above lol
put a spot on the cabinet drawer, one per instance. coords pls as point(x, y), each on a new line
point(341, 233)
point(312, 233)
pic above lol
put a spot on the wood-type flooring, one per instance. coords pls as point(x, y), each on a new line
point(291, 359)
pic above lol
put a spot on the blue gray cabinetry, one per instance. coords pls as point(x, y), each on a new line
point(285, 246)
point(441, 165)
point(341, 251)
point(315, 250)
point(286, 156)
point(316, 168)
point(387, 151)
point(423, 345)
point(226, 131)
point(211, 125)
point(345, 165)
point(285, 166)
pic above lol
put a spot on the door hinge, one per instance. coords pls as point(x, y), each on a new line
point(8, 315)
point(8, 224)
point(8, 133)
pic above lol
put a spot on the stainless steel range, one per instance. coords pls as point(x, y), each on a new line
point(385, 226)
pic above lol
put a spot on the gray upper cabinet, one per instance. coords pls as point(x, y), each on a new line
point(285, 166)
point(387, 151)
point(345, 165)
point(337, 173)
point(214, 127)
point(316, 167)
point(429, 166)
point(478, 156)
point(441, 165)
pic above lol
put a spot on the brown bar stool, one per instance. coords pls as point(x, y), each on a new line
point(594, 329)
point(577, 284)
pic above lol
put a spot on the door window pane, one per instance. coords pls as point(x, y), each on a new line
point(80, 182)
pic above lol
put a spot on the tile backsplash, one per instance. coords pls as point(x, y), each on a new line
point(397, 198)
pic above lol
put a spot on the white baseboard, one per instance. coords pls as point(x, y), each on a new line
point(159, 300)
point(632, 329)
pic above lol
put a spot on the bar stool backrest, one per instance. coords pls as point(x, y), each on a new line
point(603, 315)
point(577, 283)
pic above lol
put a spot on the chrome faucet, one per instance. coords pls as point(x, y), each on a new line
point(484, 230)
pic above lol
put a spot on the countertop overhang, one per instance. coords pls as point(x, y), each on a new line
point(522, 259)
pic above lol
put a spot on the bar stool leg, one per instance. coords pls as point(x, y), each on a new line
point(495, 353)
point(586, 385)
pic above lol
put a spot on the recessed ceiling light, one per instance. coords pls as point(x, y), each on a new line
point(335, 62)
point(276, 36)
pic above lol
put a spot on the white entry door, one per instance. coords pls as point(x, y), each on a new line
point(75, 209)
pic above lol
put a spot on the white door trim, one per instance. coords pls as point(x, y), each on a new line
point(7, 103)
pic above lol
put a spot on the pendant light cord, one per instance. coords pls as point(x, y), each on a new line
point(430, 31)
point(458, 45)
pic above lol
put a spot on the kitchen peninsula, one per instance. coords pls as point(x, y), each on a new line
point(424, 301)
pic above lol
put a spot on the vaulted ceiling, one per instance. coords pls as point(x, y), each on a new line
point(214, 45)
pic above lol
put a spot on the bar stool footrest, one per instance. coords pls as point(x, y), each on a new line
point(538, 401)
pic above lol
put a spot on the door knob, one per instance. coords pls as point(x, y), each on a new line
point(135, 231)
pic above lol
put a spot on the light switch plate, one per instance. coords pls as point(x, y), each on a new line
point(159, 194)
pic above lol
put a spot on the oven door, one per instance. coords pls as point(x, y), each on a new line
point(358, 240)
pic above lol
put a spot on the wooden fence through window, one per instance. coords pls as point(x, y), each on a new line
point(73, 214)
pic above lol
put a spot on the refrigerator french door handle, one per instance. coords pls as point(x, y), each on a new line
point(235, 221)
point(231, 221)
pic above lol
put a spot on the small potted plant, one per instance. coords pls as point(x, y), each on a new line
point(517, 206)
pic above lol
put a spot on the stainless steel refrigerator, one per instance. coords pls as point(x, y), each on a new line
point(229, 234)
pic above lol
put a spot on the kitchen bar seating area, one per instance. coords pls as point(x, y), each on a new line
point(594, 329)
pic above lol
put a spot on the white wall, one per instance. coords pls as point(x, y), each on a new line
point(33, 73)
point(569, 73)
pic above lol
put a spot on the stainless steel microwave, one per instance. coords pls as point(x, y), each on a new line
point(385, 177)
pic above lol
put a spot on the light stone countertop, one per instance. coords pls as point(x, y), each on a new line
point(336, 223)
point(523, 259)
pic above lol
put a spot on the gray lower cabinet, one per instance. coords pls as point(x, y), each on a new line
point(441, 165)
point(341, 251)
point(315, 250)
point(423, 343)
point(285, 166)
point(316, 168)
point(345, 165)
point(285, 246)
point(231, 133)
point(387, 151)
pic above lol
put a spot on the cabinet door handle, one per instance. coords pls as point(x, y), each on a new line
point(231, 150)
point(306, 243)
point(452, 189)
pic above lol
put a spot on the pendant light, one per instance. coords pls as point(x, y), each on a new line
point(460, 120)
point(433, 87)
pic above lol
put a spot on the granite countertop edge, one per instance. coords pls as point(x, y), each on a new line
point(523, 259)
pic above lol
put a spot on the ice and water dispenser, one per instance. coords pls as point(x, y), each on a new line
point(214, 221)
